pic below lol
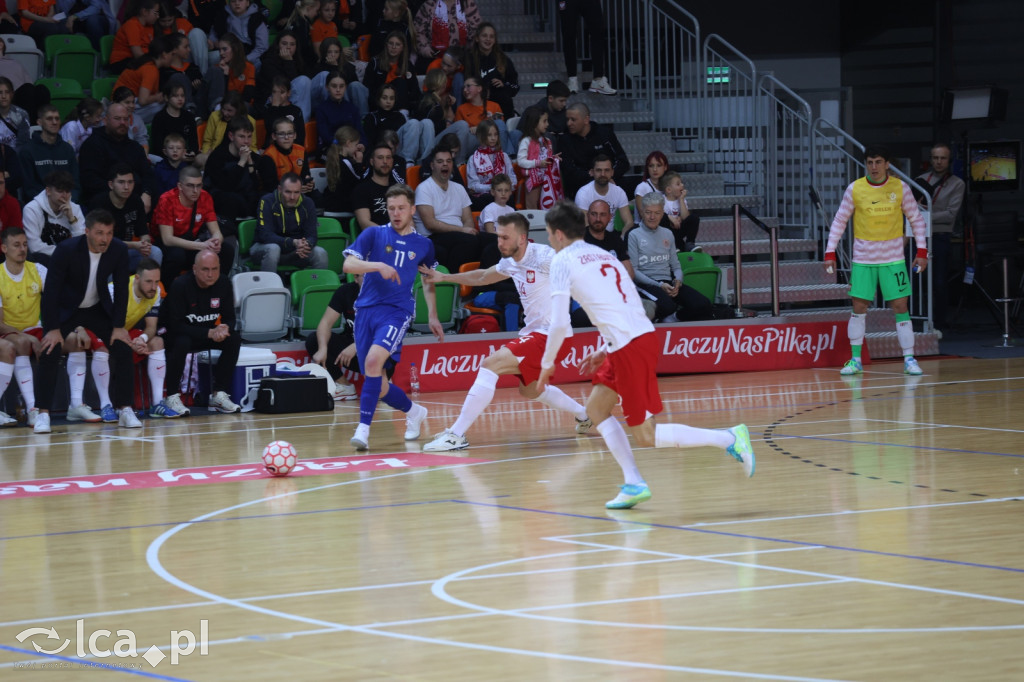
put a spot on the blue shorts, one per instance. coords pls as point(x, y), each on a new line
point(383, 326)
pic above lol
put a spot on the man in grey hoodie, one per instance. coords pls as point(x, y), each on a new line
point(44, 153)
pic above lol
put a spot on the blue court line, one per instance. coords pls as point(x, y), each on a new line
point(776, 435)
point(227, 518)
point(90, 664)
point(743, 536)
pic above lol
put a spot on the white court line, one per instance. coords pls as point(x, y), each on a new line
point(153, 560)
point(439, 590)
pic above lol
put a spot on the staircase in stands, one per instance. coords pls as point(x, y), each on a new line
point(806, 291)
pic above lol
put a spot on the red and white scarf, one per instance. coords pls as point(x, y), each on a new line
point(548, 178)
point(440, 26)
point(489, 161)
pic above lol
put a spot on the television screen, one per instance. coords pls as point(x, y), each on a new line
point(994, 166)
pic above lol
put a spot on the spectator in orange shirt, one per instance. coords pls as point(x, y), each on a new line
point(132, 40)
point(287, 156)
point(323, 25)
point(233, 73)
point(477, 108)
point(38, 22)
point(171, 21)
point(144, 81)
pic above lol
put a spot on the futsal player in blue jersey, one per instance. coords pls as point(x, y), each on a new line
point(389, 256)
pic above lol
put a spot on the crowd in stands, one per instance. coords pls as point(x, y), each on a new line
point(222, 112)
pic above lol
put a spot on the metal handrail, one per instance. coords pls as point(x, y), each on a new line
point(737, 238)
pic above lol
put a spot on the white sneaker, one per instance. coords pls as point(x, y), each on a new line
point(82, 413)
point(600, 86)
point(345, 392)
point(413, 419)
point(174, 402)
point(126, 418)
point(32, 414)
point(583, 425)
point(574, 84)
point(221, 402)
point(361, 438)
point(911, 367)
point(446, 441)
point(7, 420)
point(42, 424)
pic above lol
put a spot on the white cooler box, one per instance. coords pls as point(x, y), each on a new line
point(253, 364)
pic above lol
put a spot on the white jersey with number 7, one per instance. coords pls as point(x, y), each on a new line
point(596, 280)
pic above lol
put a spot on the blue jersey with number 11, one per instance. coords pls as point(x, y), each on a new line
point(404, 253)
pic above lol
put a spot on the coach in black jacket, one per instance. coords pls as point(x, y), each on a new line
point(583, 141)
point(77, 296)
point(199, 314)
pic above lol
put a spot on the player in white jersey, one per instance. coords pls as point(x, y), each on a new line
point(625, 366)
point(528, 266)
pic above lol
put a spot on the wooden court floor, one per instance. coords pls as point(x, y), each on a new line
point(882, 538)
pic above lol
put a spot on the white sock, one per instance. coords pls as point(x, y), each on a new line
point(479, 397)
point(101, 376)
point(26, 382)
point(556, 399)
point(682, 436)
point(905, 335)
point(76, 377)
point(6, 372)
point(855, 329)
point(618, 442)
point(156, 368)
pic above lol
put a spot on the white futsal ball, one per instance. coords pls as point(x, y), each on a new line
point(279, 457)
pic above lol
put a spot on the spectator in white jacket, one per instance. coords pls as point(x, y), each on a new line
point(51, 217)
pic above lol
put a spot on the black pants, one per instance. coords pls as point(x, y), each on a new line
point(177, 259)
point(96, 320)
point(688, 305)
point(180, 345)
point(336, 344)
point(454, 249)
point(569, 13)
point(686, 235)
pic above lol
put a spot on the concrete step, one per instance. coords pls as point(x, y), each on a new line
point(791, 273)
point(719, 229)
point(881, 335)
point(511, 26)
point(723, 202)
point(796, 293)
point(757, 246)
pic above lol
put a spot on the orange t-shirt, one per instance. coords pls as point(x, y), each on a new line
point(293, 162)
point(181, 25)
point(238, 83)
point(38, 7)
point(323, 29)
point(132, 34)
point(472, 114)
point(146, 76)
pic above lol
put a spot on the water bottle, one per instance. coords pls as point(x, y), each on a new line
point(414, 379)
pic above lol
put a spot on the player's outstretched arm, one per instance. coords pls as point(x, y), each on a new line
point(473, 278)
point(431, 300)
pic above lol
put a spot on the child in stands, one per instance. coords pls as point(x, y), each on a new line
point(174, 119)
point(87, 115)
point(281, 107)
point(486, 163)
point(169, 166)
point(684, 225)
point(537, 158)
point(345, 169)
point(501, 191)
